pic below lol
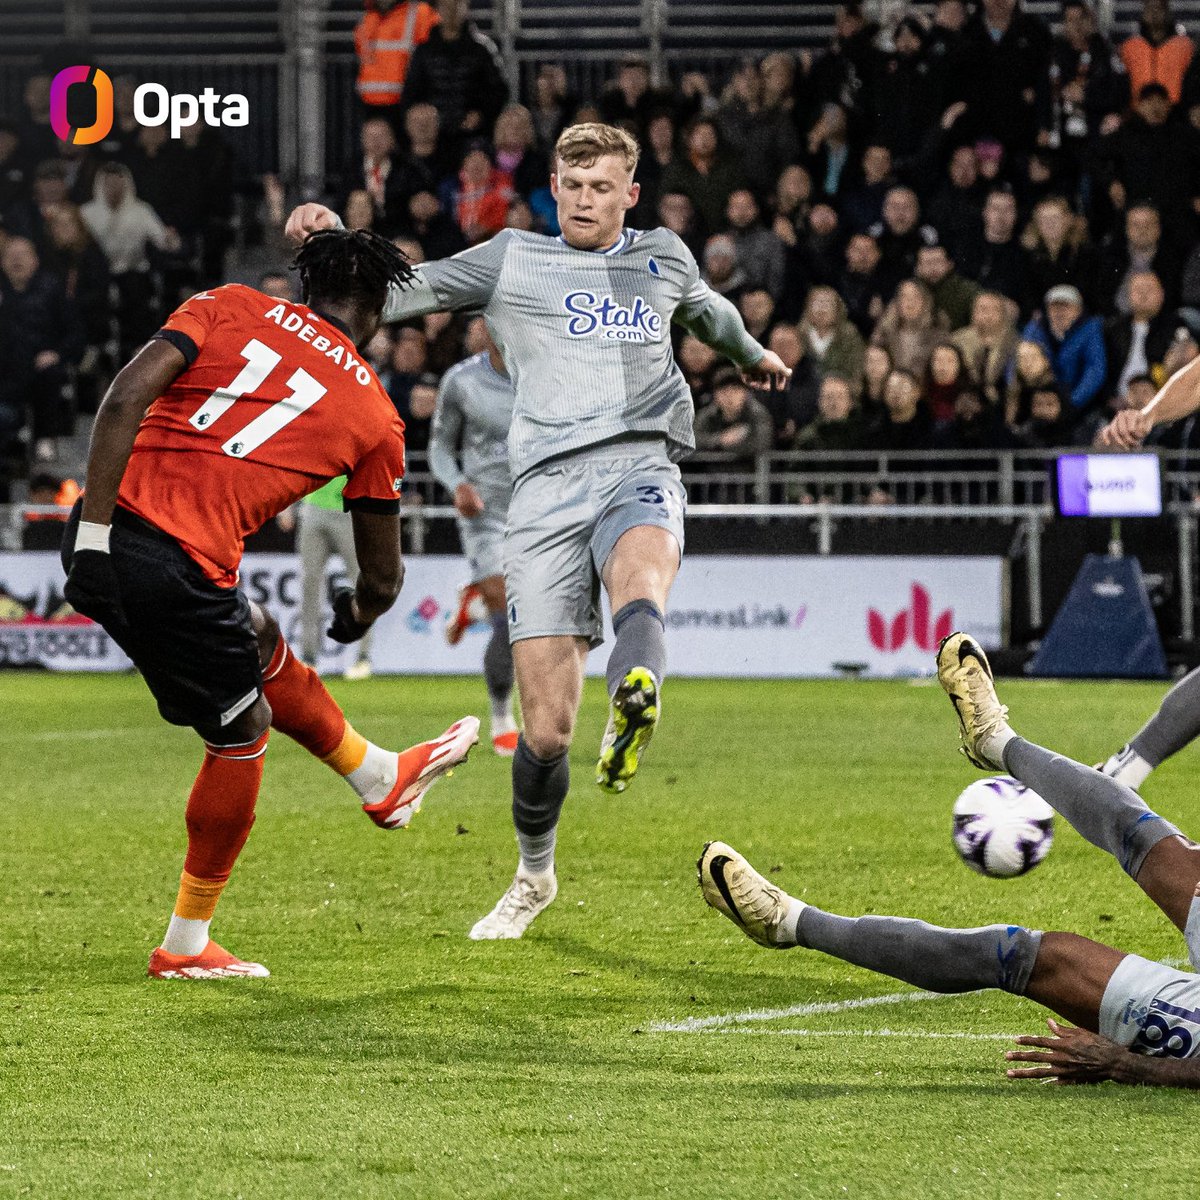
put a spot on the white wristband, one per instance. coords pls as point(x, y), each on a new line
point(92, 536)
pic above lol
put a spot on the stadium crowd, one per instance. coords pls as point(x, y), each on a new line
point(967, 230)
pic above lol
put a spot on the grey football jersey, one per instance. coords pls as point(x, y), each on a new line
point(468, 441)
point(585, 334)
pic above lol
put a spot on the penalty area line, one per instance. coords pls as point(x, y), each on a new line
point(699, 1024)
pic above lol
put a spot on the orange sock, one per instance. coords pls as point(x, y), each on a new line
point(301, 705)
point(220, 814)
point(197, 898)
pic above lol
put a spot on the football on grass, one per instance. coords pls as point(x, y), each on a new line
point(1001, 828)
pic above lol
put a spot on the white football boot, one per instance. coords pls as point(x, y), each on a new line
point(527, 895)
point(966, 677)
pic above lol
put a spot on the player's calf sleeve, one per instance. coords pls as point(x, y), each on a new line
point(1176, 723)
point(640, 632)
point(539, 790)
point(927, 956)
point(1107, 813)
point(498, 663)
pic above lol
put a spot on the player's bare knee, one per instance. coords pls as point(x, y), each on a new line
point(548, 732)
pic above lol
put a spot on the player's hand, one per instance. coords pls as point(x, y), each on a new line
point(467, 500)
point(346, 626)
point(1127, 430)
point(309, 218)
point(1071, 1056)
point(92, 588)
point(768, 372)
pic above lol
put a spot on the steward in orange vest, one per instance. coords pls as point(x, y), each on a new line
point(1158, 53)
point(384, 40)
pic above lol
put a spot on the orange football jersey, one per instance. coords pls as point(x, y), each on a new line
point(273, 403)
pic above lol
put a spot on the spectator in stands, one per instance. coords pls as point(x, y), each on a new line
point(418, 415)
point(839, 424)
point(457, 70)
point(909, 328)
point(1142, 248)
point(1059, 253)
point(676, 213)
point(551, 105)
point(410, 357)
point(1189, 289)
point(830, 153)
point(862, 206)
point(953, 296)
point(706, 173)
point(796, 405)
point(1049, 425)
point(1032, 369)
point(735, 424)
point(877, 366)
point(764, 134)
point(840, 75)
point(945, 377)
point(387, 176)
point(830, 340)
point(520, 215)
point(1003, 74)
point(1159, 53)
point(658, 154)
point(974, 425)
point(989, 345)
point(516, 155)
point(996, 260)
point(698, 362)
point(792, 203)
point(1074, 343)
point(862, 284)
point(37, 136)
point(1151, 157)
point(905, 423)
point(720, 269)
point(279, 285)
point(905, 93)
point(760, 254)
point(430, 224)
point(1138, 342)
point(14, 169)
point(127, 229)
point(758, 312)
point(956, 209)
point(425, 147)
point(43, 337)
point(480, 196)
point(780, 80)
point(819, 252)
point(358, 211)
point(1090, 87)
point(899, 235)
point(384, 40)
point(629, 99)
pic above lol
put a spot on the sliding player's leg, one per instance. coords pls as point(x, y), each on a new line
point(498, 671)
point(1066, 973)
point(389, 785)
point(1109, 815)
point(549, 673)
point(1176, 723)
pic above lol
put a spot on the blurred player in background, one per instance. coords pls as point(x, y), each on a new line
point(1177, 721)
point(237, 407)
point(602, 413)
point(468, 454)
point(1135, 1021)
point(324, 528)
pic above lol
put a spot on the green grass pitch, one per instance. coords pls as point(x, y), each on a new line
point(390, 1056)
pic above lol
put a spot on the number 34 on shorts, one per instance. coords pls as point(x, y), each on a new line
point(667, 500)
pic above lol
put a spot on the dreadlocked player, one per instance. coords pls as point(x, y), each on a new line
point(236, 408)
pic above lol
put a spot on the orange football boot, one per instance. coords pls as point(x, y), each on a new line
point(213, 962)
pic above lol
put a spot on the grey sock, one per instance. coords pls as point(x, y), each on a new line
point(539, 789)
point(498, 662)
point(1176, 723)
point(1107, 813)
point(927, 956)
point(640, 642)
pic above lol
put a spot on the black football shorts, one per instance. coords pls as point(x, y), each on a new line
point(192, 641)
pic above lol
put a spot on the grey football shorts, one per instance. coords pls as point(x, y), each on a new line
point(563, 522)
point(482, 537)
point(1152, 1009)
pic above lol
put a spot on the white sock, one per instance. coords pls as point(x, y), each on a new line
point(788, 933)
point(185, 936)
point(1127, 766)
point(377, 775)
point(537, 853)
point(503, 720)
point(992, 748)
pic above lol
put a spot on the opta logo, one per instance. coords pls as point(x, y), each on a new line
point(914, 622)
point(619, 322)
point(152, 105)
point(60, 122)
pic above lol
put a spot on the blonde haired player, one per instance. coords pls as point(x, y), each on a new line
point(601, 415)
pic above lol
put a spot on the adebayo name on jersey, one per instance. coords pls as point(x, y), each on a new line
point(605, 317)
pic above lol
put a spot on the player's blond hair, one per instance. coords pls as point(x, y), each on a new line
point(581, 145)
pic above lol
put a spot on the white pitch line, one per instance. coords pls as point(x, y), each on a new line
point(694, 1024)
point(923, 1034)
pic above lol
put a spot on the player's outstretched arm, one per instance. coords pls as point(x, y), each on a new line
point(1077, 1056)
point(380, 575)
point(1177, 398)
point(310, 218)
